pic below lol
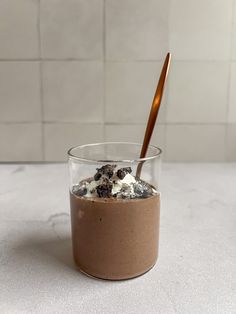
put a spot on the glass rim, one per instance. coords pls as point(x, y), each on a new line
point(72, 156)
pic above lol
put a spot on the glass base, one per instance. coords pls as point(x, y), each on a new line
point(114, 279)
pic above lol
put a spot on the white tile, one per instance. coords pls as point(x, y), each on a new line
point(198, 92)
point(200, 29)
point(134, 133)
point(231, 142)
point(73, 91)
point(195, 143)
point(20, 91)
point(232, 94)
point(18, 29)
point(58, 138)
point(136, 29)
point(130, 87)
point(72, 28)
point(21, 142)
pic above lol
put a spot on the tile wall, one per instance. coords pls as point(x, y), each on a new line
point(80, 71)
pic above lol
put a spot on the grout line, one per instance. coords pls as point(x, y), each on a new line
point(189, 123)
point(42, 108)
point(166, 104)
point(168, 25)
point(20, 60)
point(227, 157)
point(19, 122)
point(114, 60)
point(39, 30)
point(229, 83)
point(74, 122)
point(132, 60)
point(71, 60)
point(165, 139)
point(50, 59)
point(130, 123)
point(232, 31)
point(51, 122)
point(168, 123)
point(227, 111)
point(168, 77)
point(164, 157)
point(114, 123)
point(161, 60)
point(41, 83)
point(200, 60)
point(104, 30)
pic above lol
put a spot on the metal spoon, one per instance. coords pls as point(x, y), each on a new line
point(154, 111)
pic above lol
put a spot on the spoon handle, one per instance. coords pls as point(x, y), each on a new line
point(154, 111)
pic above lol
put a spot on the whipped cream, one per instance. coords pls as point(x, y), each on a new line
point(118, 184)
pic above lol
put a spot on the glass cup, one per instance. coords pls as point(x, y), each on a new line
point(115, 237)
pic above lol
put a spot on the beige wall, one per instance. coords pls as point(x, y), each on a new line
point(78, 71)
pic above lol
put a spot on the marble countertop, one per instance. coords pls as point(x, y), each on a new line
point(195, 273)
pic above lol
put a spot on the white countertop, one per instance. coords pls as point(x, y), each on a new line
point(195, 273)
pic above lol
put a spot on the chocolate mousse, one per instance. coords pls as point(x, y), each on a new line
point(115, 224)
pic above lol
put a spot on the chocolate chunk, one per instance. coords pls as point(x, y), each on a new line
point(128, 169)
point(122, 172)
point(97, 176)
point(104, 190)
point(106, 170)
point(105, 181)
point(81, 191)
point(142, 189)
point(146, 194)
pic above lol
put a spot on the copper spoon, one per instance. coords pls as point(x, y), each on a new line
point(154, 111)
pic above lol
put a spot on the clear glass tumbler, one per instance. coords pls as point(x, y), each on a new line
point(114, 213)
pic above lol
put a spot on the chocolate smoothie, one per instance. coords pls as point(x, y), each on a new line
point(115, 224)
